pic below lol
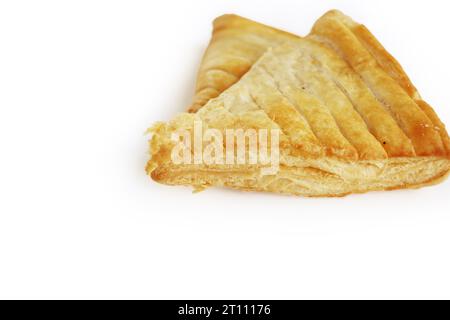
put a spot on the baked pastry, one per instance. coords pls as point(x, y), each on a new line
point(387, 79)
point(349, 119)
point(235, 45)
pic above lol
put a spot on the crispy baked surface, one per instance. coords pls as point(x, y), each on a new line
point(386, 78)
point(351, 120)
point(236, 44)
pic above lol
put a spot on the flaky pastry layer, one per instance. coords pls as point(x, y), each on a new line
point(236, 44)
point(350, 119)
point(314, 178)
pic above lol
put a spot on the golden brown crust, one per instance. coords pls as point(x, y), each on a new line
point(378, 120)
point(250, 181)
point(350, 119)
point(235, 46)
point(383, 57)
point(324, 177)
point(309, 64)
point(385, 78)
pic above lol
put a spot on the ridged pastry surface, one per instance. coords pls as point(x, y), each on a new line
point(386, 79)
point(236, 44)
point(350, 119)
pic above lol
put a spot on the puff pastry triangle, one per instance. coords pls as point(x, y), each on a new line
point(235, 45)
point(350, 121)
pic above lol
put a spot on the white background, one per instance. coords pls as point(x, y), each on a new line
point(80, 81)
